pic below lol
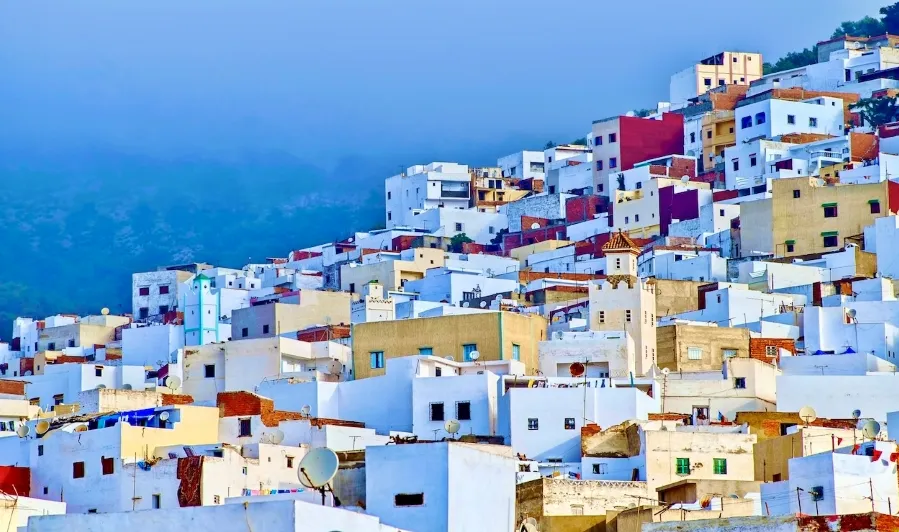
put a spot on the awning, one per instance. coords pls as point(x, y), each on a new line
point(830, 233)
point(828, 204)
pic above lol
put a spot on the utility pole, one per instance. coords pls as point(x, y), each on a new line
point(871, 488)
point(799, 499)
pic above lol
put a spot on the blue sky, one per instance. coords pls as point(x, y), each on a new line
point(361, 77)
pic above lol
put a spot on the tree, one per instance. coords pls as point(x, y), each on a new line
point(498, 237)
point(549, 145)
point(457, 241)
point(793, 60)
point(865, 27)
point(643, 113)
point(877, 111)
point(890, 18)
point(579, 142)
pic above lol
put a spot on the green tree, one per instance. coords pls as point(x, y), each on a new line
point(877, 111)
point(549, 145)
point(579, 142)
point(889, 17)
point(793, 60)
point(498, 237)
point(457, 241)
point(865, 27)
point(643, 113)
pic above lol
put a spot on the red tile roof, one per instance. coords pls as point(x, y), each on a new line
point(620, 241)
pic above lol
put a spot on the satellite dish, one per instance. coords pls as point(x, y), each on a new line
point(576, 369)
point(451, 426)
point(28, 373)
point(665, 371)
point(529, 525)
point(851, 312)
point(101, 387)
point(104, 311)
point(22, 431)
point(164, 415)
point(334, 367)
point(277, 436)
point(450, 358)
point(807, 414)
point(856, 414)
point(80, 428)
point(685, 179)
point(172, 382)
point(127, 387)
point(318, 467)
point(306, 410)
point(42, 427)
point(870, 429)
point(483, 304)
point(474, 356)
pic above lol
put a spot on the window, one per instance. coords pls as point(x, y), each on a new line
point(164, 289)
point(389, 215)
point(796, 193)
point(436, 411)
point(244, 428)
point(46, 490)
point(51, 346)
point(600, 469)
point(352, 288)
point(735, 59)
point(692, 137)
point(92, 510)
point(791, 247)
point(759, 119)
point(265, 329)
point(627, 315)
point(98, 371)
point(467, 350)
point(438, 372)
point(244, 332)
point(156, 501)
point(491, 229)
point(78, 470)
point(377, 359)
point(771, 350)
point(569, 423)
point(143, 312)
point(613, 137)
point(107, 465)
point(209, 371)
point(409, 499)
point(57, 399)
point(830, 241)
point(597, 141)
point(388, 195)
point(719, 466)
point(753, 160)
point(602, 316)
point(613, 162)
point(463, 411)
point(516, 352)
point(602, 186)
point(533, 423)
point(736, 163)
point(636, 218)
point(35, 401)
point(812, 122)
point(791, 119)
point(216, 499)
point(746, 122)
point(425, 350)
point(144, 290)
point(728, 353)
point(682, 466)
point(577, 509)
point(163, 309)
point(618, 263)
point(721, 83)
point(830, 210)
point(71, 343)
point(598, 165)
point(817, 493)
point(40, 450)
point(289, 462)
point(740, 383)
point(707, 82)
point(708, 134)
point(627, 219)
point(875, 206)
point(458, 226)
point(694, 353)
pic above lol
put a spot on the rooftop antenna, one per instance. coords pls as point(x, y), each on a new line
point(306, 410)
point(334, 367)
point(870, 429)
point(22, 431)
point(172, 382)
point(807, 415)
point(317, 469)
point(452, 427)
point(277, 436)
point(474, 356)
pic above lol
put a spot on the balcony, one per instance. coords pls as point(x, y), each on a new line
point(455, 194)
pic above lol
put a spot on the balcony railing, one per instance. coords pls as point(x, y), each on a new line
point(463, 194)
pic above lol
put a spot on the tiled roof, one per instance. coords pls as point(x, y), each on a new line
point(621, 241)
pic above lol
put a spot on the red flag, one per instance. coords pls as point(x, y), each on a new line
point(855, 448)
point(876, 455)
point(894, 457)
point(839, 441)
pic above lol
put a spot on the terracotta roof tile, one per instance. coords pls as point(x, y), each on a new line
point(620, 241)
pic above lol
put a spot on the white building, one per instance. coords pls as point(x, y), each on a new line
point(772, 118)
point(456, 287)
point(423, 187)
point(523, 165)
point(469, 399)
point(207, 311)
point(151, 345)
point(155, 293)
point(372, 305)
point(62, 383)
point(683, 263)
point(604, 354)
point(733, 305)
point(442, 487)
point(481, 227)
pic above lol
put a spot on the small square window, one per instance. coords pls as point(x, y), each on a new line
point(812, 122)
point(244, 427)
point(753, 160)
point(144, 291)
point(692, 137)
point(627, 315)
point(613, 162)
point(569, 423)
point(830, 211)
point(289, 462)
point(746, 122)
point(458, 226)
point(875, 207)
point(216, 499)
point(463, 411)
point(163, 309)
point(409, 499)
point(796, 194)
point(636, 218)
point(143, 312)
point(164, 289)
point(613, 137)
point(791, 119)
point(639, 185)
point(157, 501)
point(600, 469)
point(209, 371)
point(46, 490)
point(51, 346)
point(436, 411)
point(98, 372)
point(377, 359)
point(265, 329)
point(598, 165)
point(533, 423)
point(597, 140)
point(791, 248)
point(721, 83)
point(602, 316)
point(736, 164)
point(108, 465)
point(719, 466)
point(78, 470)
point(40, 450)
point(682, 466)
point(831, 241)
point(244, 332)
point(707, 82)
point(694, 353)
point(57, 399)
point(740, 383)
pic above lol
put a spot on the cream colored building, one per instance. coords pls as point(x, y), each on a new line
point(725, 68)
point(315, 307)
point(84, 333)
point(389, 270)
point(373, 305)
point(772, 455)
point(693, 347)
point(522, 253)
point(624, 302)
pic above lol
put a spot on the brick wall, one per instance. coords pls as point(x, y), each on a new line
point(582, 208)
point(26, 364)
point(323, 334)
point(758, 348)
point(233, 404)
point(176, 399)
point(12, 387)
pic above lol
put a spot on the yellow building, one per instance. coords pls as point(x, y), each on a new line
point(809, 216)
point(717, 134)
point(495, 335)
point(719, 70)
point(389, 270)
point(522, 253)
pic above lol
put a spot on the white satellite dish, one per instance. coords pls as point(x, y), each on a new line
point(851, 312)
point(22, 431)
point(318, 467)
point(870, 430)
point(334, 367)
point(665, 371)
point(27, 373)
point(172, 382)
point(450, 358)
point(277, 436)
point(127, 387)
point(685, 179)
point(807, 414)
point(164, 415)
point(474, 356)
point(306, 410)
point(535, 225)
point(451, 426)
point(483, 304)
point(104, 311)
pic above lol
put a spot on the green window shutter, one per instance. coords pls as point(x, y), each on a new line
point(828, 204)
point(830, 233)
point(873, 201)
point(720, 466)
point(683, 466)
point(789, 242)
